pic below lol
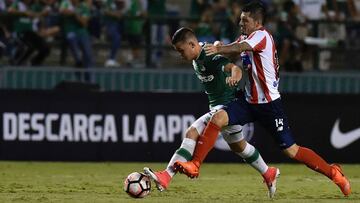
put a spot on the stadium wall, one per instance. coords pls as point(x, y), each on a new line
point(167, 80)
point(52, 125)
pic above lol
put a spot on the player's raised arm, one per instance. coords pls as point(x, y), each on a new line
point(232, 56)
point(233, 48)
point(236, 74)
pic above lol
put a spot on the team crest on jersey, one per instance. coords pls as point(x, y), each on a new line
point(275, 83)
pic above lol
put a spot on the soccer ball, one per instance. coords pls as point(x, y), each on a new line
point(137, 185)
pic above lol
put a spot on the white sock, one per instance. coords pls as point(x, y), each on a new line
point(252, 156)
point(184, 153)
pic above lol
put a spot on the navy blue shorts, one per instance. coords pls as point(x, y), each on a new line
point(270, 115)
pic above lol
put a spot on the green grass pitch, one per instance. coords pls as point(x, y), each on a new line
point(103, 182)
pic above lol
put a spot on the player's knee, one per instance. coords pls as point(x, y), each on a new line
point(220, 118)
point(291, 151)
point(192, 133)
point(238, 146)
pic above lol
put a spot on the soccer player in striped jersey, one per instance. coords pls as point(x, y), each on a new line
point(219, 78)
point(261, 101)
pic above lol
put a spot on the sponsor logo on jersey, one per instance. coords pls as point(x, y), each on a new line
point(207, 78)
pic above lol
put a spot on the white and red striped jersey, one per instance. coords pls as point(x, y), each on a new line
point(262, 83)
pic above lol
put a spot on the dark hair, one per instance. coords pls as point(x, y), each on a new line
point(182, 34)
point(257, 10)
point(288, 5)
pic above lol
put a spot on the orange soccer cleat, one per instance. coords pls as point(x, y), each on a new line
point(189, 168)
point(340, 180)
point(161, 178)
point(270, 179)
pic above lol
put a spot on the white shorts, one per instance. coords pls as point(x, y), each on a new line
point(231, 134)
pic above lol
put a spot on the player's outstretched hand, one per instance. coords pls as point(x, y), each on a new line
point(210, 49)
point(232, 81)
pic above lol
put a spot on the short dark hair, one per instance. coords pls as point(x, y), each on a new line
point(288, 5)
point(257, 10)
point(182, 34)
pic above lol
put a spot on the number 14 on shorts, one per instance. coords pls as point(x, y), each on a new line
point(279, 122)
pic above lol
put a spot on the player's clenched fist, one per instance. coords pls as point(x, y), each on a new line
point(232, 81)
point(210, 49)
point(218, 43)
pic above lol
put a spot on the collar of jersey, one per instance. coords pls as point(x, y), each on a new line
point(202, 52)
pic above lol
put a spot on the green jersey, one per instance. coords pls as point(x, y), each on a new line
point(203, 29)
point(157, 7)
point(210, 71)
point(82, 10)
point(37, 7)
point(134, 26)
point(22, 23)
point(69, 22)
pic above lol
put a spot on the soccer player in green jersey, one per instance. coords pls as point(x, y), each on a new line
point(219, 78)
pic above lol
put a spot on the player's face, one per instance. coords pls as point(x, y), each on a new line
point(186, 49)
point(247, 23)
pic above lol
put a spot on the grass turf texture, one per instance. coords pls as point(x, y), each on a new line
point(103, 182)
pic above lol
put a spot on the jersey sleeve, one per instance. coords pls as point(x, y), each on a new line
point(240, 38)
point(257, 41)
point(218, 62)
